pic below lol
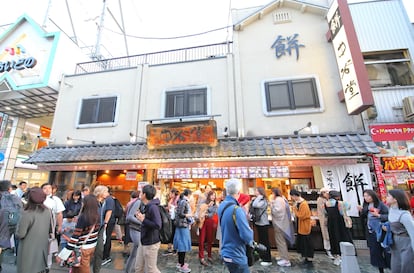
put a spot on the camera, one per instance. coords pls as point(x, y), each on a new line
point(258, 247)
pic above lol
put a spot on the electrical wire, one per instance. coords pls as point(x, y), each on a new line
point(169, 38)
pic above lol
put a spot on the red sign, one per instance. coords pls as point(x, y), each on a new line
point(392, 132)
point(380, 179)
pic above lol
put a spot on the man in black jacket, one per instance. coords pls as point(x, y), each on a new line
point(150, 232)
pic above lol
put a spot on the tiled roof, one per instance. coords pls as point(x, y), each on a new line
point(350, 144)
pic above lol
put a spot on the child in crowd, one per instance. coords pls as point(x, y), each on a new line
point(68, 226)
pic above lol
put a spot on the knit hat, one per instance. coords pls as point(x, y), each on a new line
point(5, 185)
point(36, 195)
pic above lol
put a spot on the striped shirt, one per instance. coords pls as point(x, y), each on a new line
point(81, 233)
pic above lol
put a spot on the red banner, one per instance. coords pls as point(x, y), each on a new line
point(380, 179)
point(392, 132)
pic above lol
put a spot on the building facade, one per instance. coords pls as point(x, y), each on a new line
point(263, 108)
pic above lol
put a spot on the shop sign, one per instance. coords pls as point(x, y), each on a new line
point(131, 176)
point(392, 132)
point(285, 45)
point(354, 77)
point(380, 179)
point(174, 135)
point(391, 179)
point(350, 180)
point(398, 164)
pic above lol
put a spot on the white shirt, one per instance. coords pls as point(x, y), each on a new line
point(54, 203)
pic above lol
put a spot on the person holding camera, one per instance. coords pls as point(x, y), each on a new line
point(236, 233)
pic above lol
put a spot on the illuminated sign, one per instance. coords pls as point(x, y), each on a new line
point(354, 77)
point(178, 134)
point(392, 132)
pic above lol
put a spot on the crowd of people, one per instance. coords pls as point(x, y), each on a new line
point(84, 221)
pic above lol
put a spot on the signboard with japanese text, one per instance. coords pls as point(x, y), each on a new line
point(354, 76)
point(350, 180)
point(184, 133)
point(392, 132)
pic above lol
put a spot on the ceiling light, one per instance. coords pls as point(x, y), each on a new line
point(23, 106)
point(40, 105)
point(7, 108)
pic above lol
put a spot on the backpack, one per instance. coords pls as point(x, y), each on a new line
point(118, 210)
point(166, 231)
point(10, 211)
point(255, 213)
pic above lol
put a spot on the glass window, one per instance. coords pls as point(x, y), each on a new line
point(98, 111)
point(390, 68)
point(291, 94)
point(186, 103)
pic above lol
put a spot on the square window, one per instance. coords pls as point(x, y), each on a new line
point(186, 103)
point(291, 96)
point(99, 111)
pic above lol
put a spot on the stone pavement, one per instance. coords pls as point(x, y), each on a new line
point(321, 263)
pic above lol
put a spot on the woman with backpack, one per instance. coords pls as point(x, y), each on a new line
point(259, 204)
point(402, 228)
point(182, 237)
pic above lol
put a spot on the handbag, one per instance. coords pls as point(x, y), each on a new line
point(347, 219)
point(73, 257)
point(53, 243)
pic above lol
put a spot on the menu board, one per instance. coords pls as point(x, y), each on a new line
point(279, 171)
point(224, 172)
point(181, 173)
point(200, 173)
point(166, 173)
point(238, 172)
point(219, 172)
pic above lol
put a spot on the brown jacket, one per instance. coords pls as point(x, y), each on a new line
point(303, 217)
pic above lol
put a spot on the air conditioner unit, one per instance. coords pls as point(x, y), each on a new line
point(408, 108)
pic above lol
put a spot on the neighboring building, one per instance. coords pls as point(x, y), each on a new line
point(263, 108)
point(32, 64)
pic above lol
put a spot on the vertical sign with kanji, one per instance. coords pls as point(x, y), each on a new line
point(354, 77)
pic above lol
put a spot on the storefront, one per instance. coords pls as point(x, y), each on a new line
point(396, 157)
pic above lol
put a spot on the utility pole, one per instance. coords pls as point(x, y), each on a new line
point(97, 53)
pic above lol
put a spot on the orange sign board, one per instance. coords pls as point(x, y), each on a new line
point(184, 133)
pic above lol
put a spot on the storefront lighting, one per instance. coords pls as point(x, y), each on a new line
point(107, 171)
point(70, 140)
point(133, 137)
point(296, 132)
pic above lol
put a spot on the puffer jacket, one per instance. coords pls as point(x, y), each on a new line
point(182, 209)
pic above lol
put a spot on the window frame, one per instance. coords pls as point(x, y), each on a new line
point(169, 91)
point(296, 111)
point(404, 52)
point(101, 124)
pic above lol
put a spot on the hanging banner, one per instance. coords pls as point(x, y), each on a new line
point(380, 179)
point(350, 180)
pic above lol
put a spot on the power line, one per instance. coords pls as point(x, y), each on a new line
point(168, 38)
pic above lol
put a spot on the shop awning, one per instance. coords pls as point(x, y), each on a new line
point(333, 148)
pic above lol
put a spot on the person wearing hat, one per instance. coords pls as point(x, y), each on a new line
point(6, 200)
point(33, 232)
point(323, 221)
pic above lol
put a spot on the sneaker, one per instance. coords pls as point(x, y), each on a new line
point(284, 262)
point(178, 265)
point(265, 263)
point(329, 254)
point(278, 258)
point(168, 252)
point(337, 261)
point(106, 261)
point(185, 269)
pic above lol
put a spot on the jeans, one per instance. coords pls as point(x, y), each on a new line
point(237, 268)
point(135, 236)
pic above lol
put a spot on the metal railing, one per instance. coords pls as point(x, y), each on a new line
point(157, 58)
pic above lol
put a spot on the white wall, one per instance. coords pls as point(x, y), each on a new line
point(258, 62)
